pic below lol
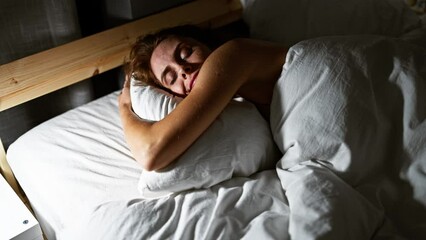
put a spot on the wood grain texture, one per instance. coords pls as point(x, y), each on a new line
point(6, 171)
point(8, 175)
point(50, 70)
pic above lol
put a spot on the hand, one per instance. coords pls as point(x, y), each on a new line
point(124, 100)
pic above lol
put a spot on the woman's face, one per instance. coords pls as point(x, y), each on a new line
point(176, 62)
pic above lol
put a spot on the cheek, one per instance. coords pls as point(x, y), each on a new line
point(178, 87)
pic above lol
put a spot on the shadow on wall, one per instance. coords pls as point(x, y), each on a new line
point(29, 27)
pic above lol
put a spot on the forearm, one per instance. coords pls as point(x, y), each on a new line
point(136, 131)
point(149, 142)
point(145, 139)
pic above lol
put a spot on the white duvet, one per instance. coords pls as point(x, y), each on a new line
point(347, 113)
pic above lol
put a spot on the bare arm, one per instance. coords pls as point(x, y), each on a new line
point(156, 145)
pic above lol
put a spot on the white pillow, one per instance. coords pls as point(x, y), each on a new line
point(151, 103)
point(238, 143)
point(290, 21)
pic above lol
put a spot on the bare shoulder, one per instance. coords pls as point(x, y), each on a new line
point(254, 47)
point(255, 64)
point(252, 44)
point(250, 59)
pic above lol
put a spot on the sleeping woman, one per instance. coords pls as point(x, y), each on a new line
point(181, 61)
point(340, 88)
point(344, 108)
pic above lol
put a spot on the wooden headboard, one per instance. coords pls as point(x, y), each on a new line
point(39, 74)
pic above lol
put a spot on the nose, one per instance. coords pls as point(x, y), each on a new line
point(185, 71)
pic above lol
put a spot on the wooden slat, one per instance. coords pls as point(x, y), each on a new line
point(7, 172)
point(50, 70)
point(8, 175)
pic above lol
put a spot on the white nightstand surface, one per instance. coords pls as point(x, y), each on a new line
point(16, 221)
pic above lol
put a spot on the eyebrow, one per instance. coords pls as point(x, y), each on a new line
point(168, 68)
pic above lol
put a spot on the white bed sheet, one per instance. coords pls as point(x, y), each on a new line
point(82, 183)
point(74, 162)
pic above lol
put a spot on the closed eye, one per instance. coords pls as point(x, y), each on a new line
point(168, 77)
point(181, 53)
point(171, 77)
point(185, 52)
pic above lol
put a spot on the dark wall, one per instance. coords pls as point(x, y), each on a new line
point(28, 27)
point(92, 19)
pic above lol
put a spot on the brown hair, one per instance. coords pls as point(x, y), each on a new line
point(138, 64)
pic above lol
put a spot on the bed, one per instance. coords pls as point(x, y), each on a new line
point(339, 159)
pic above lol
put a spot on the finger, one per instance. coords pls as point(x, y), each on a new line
point(126, 82)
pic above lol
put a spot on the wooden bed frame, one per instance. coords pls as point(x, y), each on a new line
point(39, 74)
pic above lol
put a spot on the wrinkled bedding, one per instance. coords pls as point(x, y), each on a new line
point(348, 114)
